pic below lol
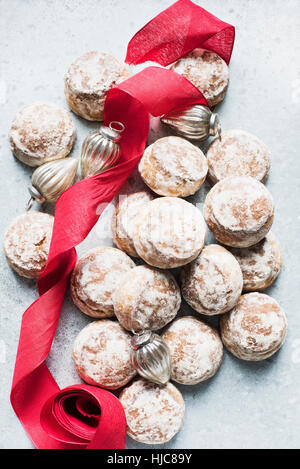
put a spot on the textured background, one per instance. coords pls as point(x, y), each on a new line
point(246, 405)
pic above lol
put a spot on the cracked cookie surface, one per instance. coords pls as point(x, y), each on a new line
point(88, 80)
point(95, 277)
point(255, 329)
point(101, 354)
point(27, 243)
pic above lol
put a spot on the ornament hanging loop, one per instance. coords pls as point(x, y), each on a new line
point(117, 126)
point(113, 131)
point(29, 204)
point(35, 197)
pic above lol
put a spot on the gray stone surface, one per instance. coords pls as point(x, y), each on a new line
point(246, 405)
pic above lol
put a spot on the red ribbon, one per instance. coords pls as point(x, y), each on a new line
point(35, 395)
point(84, 416)
point(178, 30)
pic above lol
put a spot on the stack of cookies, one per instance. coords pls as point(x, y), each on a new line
point(169, 232)
point(159, 227)
point(163, 231)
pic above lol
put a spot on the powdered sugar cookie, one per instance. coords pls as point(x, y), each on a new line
point(238, 153)
point(172, 166)
point(27, 243)
point(127, 211)
point(146, 298)
point(260, 263)
point(154, 414)
point(213, 282)
point(95, 277)
point(255, 329)
point(196, 350)
point(88, 80)
point(170, 233)
point(239, 211)
point(101, 354)
point(207, 71)
point(41, 132)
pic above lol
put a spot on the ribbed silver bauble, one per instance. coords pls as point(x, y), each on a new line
point(51, 179)
point(101, 150)
point(194, 123)
point(150, 356)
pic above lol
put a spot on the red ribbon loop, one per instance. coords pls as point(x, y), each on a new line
point(178, 30)
point(85, 416)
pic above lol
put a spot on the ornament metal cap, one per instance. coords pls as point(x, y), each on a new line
point(113, 131)
point(140, 339)
point(34, 196)
point(214, 125)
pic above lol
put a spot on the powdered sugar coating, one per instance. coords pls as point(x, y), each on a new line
point(170, 233)
point(196, 350)
point(238, 153)
point(88, 80)
point(212, 283)
point(27, 243)
point(127, 211)
point(172, 166)
point(101, 354)
point(207, 71)
point(95, 277)
point(41, 132)
point(154, 414)
point(239, 211)
point(146, 298)
point(261, 263)
point(255, 329)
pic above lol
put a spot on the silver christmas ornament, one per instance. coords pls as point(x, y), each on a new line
point(101, 150)
point(150, 356)
point(51, 179)
point(194, 123)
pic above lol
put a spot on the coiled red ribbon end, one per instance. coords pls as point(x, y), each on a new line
point(85, 416)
